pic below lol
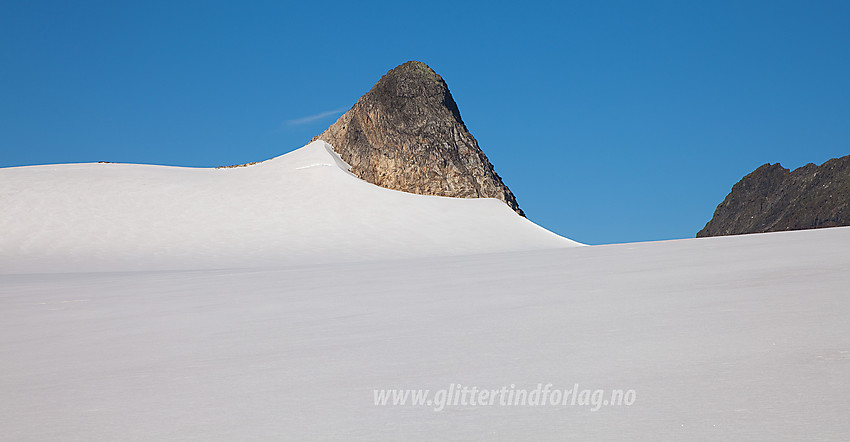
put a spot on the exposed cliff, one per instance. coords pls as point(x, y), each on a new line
point(772, 198)
point(406, 134)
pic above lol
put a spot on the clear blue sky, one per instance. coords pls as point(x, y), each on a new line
point(610, 121)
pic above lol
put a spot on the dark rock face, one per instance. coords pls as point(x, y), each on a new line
point(774, 199)
point(406, 134)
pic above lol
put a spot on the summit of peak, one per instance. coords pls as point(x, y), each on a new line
point(414, 68)
point(417, 94)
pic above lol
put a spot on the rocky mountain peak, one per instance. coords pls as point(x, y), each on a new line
point(773, 198)
point(406, 134)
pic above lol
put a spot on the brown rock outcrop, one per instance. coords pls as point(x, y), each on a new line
point(406, 134)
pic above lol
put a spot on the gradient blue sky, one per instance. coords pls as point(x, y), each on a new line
point(610, 121)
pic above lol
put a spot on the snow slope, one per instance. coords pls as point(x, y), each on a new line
point(730, 338)
point(233, 333)
point(300, 207)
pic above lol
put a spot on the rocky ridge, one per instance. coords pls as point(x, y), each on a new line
point(406, 134)
point(772, 198)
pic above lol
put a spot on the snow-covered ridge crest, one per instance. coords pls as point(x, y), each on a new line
point(316, 153)
point(292, 208)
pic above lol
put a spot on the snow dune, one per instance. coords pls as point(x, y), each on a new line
point(300, 207)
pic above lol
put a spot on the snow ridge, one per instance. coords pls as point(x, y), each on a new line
point(292, 208)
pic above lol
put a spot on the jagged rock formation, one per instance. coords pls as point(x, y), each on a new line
point(406, 134)
point(773, 199)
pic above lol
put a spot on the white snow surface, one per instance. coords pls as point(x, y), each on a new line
point(300, 207)
point(729, 338)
